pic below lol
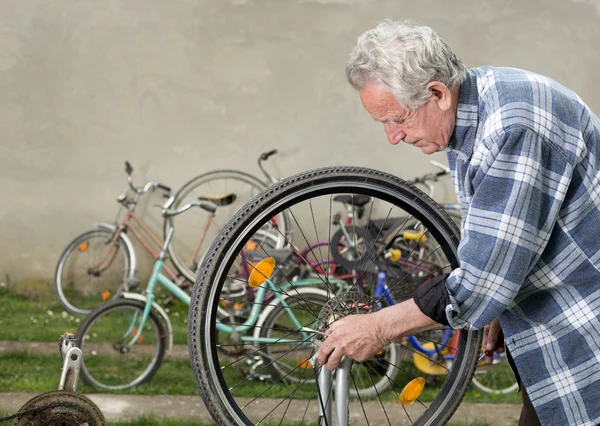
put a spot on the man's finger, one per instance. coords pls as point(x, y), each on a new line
point(334, 359)
point(492, 337)
point(486, 332)
point(332, 327)
point(324, 351)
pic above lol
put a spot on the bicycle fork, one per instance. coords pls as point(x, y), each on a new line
point(326, 385)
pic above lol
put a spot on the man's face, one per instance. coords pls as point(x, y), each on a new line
point(428, 127)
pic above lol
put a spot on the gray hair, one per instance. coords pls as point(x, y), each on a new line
point(404, 58)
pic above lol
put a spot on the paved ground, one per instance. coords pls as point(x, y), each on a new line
point(121, 407)
point(51, 348)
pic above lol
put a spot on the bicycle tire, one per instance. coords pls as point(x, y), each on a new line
point(209, 375)
point(95, 345)
point(488, 381)
point(115, 284)
point(319, 298)
point(180, 198)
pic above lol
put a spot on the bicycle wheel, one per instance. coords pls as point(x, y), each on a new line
point(231, 396)
point(187, 248)
point(91, 270)
point(371, 377)
point(110, 360)
point(496, 378)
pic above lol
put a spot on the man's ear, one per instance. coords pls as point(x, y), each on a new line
point(440, 94)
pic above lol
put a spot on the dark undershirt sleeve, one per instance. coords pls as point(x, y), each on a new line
point(432, 299)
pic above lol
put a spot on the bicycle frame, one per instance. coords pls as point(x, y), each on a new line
point(279, 292)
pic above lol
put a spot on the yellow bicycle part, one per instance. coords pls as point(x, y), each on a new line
point(412, 390)
point(429, 366)
point(261, 272)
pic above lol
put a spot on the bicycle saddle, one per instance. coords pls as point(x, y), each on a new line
point(355, 200)
point(219, 200)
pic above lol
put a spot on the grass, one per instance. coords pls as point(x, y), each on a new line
point(40, 318)
point(39, 373)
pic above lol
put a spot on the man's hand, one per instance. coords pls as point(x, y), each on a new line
point(356, 336)
point(493, 340)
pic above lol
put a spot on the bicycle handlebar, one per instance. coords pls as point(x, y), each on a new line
point(205, 206)
point(263, 157)
point(431, 176)
point(146, 188)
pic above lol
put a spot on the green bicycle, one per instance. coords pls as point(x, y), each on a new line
point(124, 341)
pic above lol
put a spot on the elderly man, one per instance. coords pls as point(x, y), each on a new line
point(525, 158)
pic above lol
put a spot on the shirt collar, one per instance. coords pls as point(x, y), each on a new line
point(467, 118)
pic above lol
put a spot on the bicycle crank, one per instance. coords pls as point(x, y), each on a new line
point(59, 408)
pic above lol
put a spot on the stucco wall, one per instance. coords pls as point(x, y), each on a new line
point(179, 87)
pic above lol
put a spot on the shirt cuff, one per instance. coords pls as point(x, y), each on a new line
point(432, 299)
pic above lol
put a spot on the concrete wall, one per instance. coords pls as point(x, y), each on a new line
point(179, 87)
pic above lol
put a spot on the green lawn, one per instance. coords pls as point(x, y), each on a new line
point(39, 373)
point(40, 318)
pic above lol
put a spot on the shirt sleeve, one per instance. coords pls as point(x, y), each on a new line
point(517, 192)
point(432, 299)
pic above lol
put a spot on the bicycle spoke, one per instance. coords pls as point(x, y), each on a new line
point(423, 355)
point(269, 388)
point(391, 240)
point(392, 285)
point(312, 392)
point(269, 304)
point(376, 238)
point(329, 223)
point(289, 397)
point(326, 281)
point(258, 350)
point(288, 280)
point(379, 397)
point(359, 398)
point(312, 214)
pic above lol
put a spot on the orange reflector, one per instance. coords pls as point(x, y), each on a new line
point(305, 364)
point(412, 390)
point(84, 246)
point(105, 295)
point(238, 306)
point(251, 245)
point(395, 255)
point(380, 352)
point(223, 303)
point(261, 272)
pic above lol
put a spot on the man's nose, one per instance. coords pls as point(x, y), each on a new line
point(394, 133)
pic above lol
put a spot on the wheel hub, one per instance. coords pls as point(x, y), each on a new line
point(342, 305)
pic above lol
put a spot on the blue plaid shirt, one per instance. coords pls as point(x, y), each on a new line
point(525, 161)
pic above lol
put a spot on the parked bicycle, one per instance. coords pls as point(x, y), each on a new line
point(125, 340)
point(98, 264)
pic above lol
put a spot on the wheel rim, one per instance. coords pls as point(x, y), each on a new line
point(108, 361)
point(466, 343)
point(187, 249)
point(92, 272)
